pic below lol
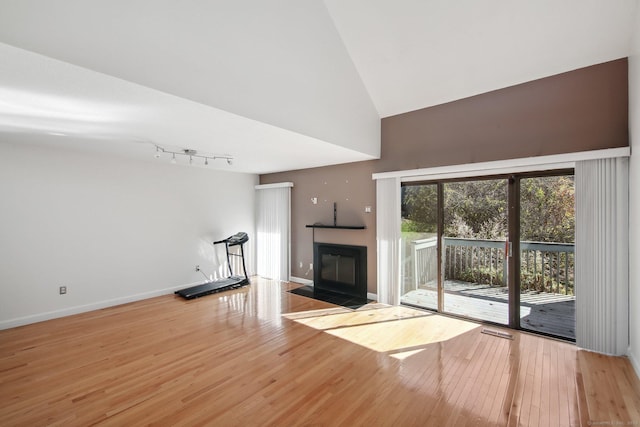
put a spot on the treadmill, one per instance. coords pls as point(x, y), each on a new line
point(231, 282)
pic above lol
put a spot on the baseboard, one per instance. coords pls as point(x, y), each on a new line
point(634, 361)
point(69, 311)
point(41, 317)
point(301, 280)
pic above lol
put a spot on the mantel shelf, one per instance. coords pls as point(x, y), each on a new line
point(342, 227)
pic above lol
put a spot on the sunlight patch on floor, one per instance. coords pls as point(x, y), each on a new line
point(397, 330)
point(401, 355)
point(404, 333)
point(341, 318)
point(311, 314)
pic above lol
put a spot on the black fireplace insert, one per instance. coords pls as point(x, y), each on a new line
point(340, 268)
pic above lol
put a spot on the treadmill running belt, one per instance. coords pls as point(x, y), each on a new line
point(212, 287)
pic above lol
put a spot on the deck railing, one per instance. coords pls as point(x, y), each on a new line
point(425, 254)
point(547, 267)
point(475, 260)
point(544, 267)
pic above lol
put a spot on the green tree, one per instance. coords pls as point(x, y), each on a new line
point(476, 209)
point(420, 208)
point(547, 211)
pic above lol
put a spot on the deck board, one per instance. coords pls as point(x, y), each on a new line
point(539, 311)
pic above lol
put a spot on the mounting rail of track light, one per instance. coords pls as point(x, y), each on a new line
point(191, 154)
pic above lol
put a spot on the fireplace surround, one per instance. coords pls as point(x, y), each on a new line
point(340, 268)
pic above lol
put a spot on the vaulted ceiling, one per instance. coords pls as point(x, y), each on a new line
point(278, 84)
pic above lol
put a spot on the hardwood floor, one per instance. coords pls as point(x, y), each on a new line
point(262, 356)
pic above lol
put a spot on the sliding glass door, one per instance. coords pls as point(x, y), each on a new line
point(419, 248)
point(497, 250)
point(474, 238)
point(547, 248)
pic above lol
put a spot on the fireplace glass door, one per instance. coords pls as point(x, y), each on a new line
point(338, 268)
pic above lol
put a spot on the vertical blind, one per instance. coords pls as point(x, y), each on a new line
point(273, 225)
point(388, 239)
point(602, 255)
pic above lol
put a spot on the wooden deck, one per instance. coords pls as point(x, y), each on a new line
point(261, 356)
point(539, 312)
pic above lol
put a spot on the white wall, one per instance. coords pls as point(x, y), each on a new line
point(634, 201)
point(112, 230)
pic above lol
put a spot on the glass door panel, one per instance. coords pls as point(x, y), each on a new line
point(474, 241)
point(547, 245)
point(419, 245)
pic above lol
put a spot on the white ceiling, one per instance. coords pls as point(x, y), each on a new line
point(413, 54)
point(44, 101)
point(279, 84)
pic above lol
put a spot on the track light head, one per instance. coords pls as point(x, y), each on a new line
point(157, 155)
point(206, 161)
point(173, 159)
point(229, 161)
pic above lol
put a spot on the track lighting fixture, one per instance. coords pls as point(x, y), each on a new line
point(191, 154)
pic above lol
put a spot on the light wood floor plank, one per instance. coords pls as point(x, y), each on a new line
point(262, 356)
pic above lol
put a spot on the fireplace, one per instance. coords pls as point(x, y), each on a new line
point(340, 268)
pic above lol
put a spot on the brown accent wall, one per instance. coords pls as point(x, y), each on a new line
point(585, 109)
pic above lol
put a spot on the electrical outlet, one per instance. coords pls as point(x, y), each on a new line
point(63, 290)
point(311, 266)
point(197, 268)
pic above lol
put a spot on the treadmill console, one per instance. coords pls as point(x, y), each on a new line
point(236, 239)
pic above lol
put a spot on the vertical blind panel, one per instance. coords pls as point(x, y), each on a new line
point(602, 255)
point(388, 239)
point(272, 241)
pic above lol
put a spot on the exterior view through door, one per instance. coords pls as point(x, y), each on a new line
point(497, 249)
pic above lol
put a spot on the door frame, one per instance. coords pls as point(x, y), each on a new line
point(513, 262)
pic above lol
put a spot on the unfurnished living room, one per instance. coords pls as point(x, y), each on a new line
point(306, 212)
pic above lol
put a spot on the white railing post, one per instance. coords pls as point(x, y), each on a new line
point(424, 259)
point(414, 260)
